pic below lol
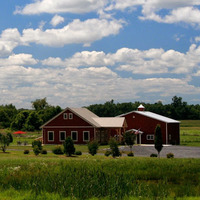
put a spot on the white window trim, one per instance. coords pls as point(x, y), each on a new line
point(76, 135)
point(70, 115)
point(150, 137)
point(48, 136)
point(65, 115)
point(60, 136)
point(88, 136)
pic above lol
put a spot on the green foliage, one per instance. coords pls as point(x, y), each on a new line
point(5, 140)
point(58, 150)
point(170, 155)
point(37, 143)
point(158, 142)
point(44, 151)
point(114, 148)
point(26, 151)
point(78, 153)
point(39, 104)
point(93, 147)
point(153, 155)
point(129, 139)
point(10, 137)
point(69, 148)
point(130, 154)
point(107, 153)
point(33, 122)
point(36, 150)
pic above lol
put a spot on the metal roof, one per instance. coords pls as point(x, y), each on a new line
point(156, 116)
point(110, 122)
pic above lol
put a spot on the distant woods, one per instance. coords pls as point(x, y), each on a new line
point(41, 112)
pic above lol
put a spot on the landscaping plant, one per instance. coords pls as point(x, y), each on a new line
point(129, 139)
point(114, 148)
point(158, 142)
point(93, 147)
point(69, 148)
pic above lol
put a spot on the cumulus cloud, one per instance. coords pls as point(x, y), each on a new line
point(61, 6)
point(57, 20)
point(76, 32)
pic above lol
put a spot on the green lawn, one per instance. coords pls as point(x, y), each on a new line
point(190, 132)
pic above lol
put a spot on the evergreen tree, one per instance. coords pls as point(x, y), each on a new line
point(129, 139)
point(69, 148)
point(158, 142)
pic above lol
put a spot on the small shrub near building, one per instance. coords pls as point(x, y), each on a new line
point(36, 150)
point(26, 151)
point(78, 153)
point(43, 151)
point(93, 147)
point(130, 154)
point(69, 148)
point(58, 150)
point(107, 153)
point(170, 155)
point(114, 148)
point(153, 155)
point(37, 143)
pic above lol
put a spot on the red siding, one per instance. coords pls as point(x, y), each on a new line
point(60, 124)
point(148, 125)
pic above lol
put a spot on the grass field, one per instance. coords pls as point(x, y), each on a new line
point(190, 132)
point(86, 177)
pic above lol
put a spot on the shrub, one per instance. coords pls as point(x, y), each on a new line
point(78, 153)
point(114, 148)
point(36, 150)
point(43, 151)
point(69, 148)
point(131, 154)
point(58, 150)
point(93, 147)
point(153, 155)
point(26, 151)
point(170, 155)
point(37, 143)
point(107, 153)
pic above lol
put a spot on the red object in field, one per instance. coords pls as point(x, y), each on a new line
point(19, 132)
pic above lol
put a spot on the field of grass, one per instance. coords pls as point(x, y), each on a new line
point(190, 132)
point(98, 177)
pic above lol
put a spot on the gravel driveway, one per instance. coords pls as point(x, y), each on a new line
point(178, 151)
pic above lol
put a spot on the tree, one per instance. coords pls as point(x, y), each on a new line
point(129, 139)
point(19, 122)
point(114, 148)
point(93, 147)
point(33, 122)
point(69, 148)
point(158, 142)
point(4, 141)
point(40, 104)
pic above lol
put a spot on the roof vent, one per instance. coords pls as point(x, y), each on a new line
point(141, 108)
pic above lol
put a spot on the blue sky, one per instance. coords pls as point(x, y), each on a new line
point(77, 53)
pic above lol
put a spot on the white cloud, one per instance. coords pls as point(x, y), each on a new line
point(57, 20)
point(61, 6)
point(18, 59)
point(76, 32)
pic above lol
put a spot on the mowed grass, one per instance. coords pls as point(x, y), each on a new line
point(97, 177)
point(190, 132)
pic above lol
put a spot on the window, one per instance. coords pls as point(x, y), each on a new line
point(50, 135)
point(70, 115)
point(74, 135)
point(86, 135)
point(150, 137)
point(170, 137)
point(64, 115)
point(62, 136)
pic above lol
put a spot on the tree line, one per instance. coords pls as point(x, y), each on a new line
point(41, 112)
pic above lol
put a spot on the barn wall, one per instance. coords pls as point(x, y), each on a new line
point(173, 133)
point(68, 134)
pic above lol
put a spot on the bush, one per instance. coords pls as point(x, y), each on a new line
point(69, 148)
point(58, 150)
point(170, 155)
point(37, 143)
point(78, 153)
point(43, 151)
point(36, 150)
point(93, 147)
point(131, 154)
point(26, 151)
point(153, 155)
point(114, 148)
point(107, 153)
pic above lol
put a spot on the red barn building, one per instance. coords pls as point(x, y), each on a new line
point(82, 126)
point(143, 123)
